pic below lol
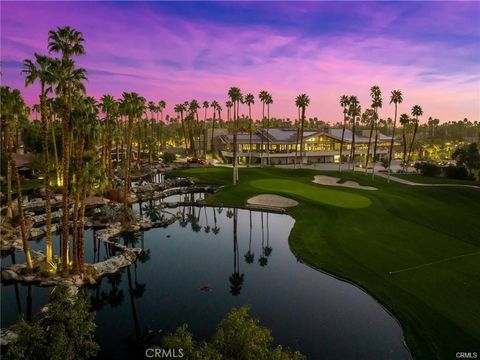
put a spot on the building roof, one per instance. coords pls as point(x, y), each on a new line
point(279, 135)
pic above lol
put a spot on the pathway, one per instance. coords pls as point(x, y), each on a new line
point(408, 182)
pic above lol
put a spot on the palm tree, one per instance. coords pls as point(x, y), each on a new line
point(268, 102)
point(205, 106)
point(41, 70)
point(250, 100)
point(344, 103)
point(396, 98)
point(354, 110)
point(68, 42)
point(250, 256)
point(194, 125)
point(180, 109)
point(263, 96)
point(376, 95)
point(12, 109)
point(235, 96)
point(109, 107)
point(302, 102)
point(416, 112)
point(404, 121)
point(215, 106)
point(134, 106)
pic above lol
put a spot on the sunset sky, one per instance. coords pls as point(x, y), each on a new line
point(180, 51)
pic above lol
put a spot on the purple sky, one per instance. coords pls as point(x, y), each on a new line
point(183, 51)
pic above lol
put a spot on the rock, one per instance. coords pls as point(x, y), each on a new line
point(7, 336)
point(9, 275)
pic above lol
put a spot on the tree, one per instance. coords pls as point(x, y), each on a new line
point(302, 101)
point(416, 112)
point(250, 100)
point(404, 121)
point(237, 337)
point(68, 78)
point(134, 107)
point(216, 107)
point(194, 125)
point(396, 98)
point(268, 102)
point(206, 105)
point(13, 108)
point(41, 70)
point(263, 96)
point(468, 156)
point(236, 97)
point(354, 110)
point(344, 103)
point(109, 107)
point(64, 331)
point(376, 95)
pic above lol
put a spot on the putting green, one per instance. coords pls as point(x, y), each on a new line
point(311, 192)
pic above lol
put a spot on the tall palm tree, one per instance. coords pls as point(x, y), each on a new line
point(416, 112)
point(404, 121)
point(194, 125)
point(354, 110)
point(376, 95)
point(206, 105)
point(180, 109)
point(12, 109)
point(268, 102)
point(215, 106)
point(396, 98)
point(109, 107)
point(302, 102)
point(263, 96)
point(344, 103)
point(236, 97)
point(68, 42)
point(134, 106)
point(250, 100)
point(41, 70)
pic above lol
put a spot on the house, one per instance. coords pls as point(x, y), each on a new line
point(320, 146)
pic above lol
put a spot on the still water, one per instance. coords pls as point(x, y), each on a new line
point(242, 257)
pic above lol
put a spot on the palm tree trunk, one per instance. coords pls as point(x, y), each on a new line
point(126, 188)
point(353, 144)
point(23, 227)
point(341, 142)
point(8, 139)
point(369, 144)
point(250, 139)
point(415, 129)
point(81, 237)
point(46, 154)
point(213, 129)
point(375, 148)
point(234, 162)
point(55, 153)
point(296, 140)
point(65, 185)
point(391, 144)
point(301, 136)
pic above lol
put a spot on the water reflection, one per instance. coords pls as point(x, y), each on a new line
point(186, 275)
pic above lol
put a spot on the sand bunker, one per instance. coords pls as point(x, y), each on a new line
point(333, 181)
point(272, 200)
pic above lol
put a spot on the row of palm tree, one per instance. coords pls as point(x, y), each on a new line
point(351, 116)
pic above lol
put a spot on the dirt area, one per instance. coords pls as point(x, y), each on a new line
point(333, 181)
point(272, 200)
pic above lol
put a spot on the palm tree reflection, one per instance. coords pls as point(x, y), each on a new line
point(236, 279)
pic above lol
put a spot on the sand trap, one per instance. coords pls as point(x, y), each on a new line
point(333, 181)
point(272, 200)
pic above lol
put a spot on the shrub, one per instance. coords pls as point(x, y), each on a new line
point(168, 157)
point(457, 172)
point(429, 169)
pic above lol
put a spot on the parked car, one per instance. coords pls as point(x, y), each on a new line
point(196, 161)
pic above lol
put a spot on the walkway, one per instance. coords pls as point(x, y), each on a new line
point(408, 182)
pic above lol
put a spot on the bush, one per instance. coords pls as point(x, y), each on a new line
point(64, 331)
point(168, 157)
point(457, 172)
point(429, 169)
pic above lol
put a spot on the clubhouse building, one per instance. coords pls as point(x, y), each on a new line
point(320, 146)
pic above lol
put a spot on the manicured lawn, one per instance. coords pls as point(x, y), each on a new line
point(434, 179)
point(364, 236)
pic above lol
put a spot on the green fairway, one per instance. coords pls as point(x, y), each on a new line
point(434, 179)
point(415, 249)
point(313, 192)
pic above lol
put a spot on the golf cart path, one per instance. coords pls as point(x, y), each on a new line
point(408, 182)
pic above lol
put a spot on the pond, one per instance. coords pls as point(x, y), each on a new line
point(241, 257)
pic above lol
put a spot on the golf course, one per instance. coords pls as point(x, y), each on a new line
point(416, 250)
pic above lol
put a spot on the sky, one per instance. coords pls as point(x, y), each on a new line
point(177, 51)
